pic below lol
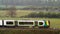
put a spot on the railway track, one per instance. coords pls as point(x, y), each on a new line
point(51, 29)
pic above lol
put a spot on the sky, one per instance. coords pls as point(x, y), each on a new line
point(30, 2)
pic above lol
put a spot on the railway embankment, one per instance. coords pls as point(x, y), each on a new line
point(29, 31)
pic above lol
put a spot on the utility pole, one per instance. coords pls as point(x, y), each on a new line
point(2, 2)
point(12, 10)
point(6, 4)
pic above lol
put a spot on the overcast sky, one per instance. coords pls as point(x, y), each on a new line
point(30, 2)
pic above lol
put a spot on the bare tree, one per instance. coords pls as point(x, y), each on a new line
point(12, 11)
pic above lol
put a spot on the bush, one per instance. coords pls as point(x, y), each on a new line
point(43, 15)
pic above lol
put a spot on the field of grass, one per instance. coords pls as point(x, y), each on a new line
point(55, 22)
point(41, 31)
point(19, 13)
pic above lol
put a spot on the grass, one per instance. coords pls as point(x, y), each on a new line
point(55, 22)
point(42, 31)
point(18, 12)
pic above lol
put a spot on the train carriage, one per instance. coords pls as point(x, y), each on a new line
point(1, 24)
point(44, 23)
point(9, 22)
point(25, 23)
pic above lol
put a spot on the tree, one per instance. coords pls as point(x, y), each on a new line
point(12, 11)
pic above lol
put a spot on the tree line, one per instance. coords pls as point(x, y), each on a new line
point(43, 15)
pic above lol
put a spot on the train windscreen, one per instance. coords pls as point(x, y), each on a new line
point(40, 23)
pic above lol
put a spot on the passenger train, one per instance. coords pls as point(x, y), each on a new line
point(25, 23)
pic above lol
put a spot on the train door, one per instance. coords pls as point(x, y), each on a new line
point(36, 24)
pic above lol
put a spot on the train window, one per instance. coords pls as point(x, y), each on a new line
point(40, 23)
point(9, 22)
point(22, 23)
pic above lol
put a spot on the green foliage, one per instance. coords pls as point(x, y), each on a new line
point(32, 15)
point(44, 15)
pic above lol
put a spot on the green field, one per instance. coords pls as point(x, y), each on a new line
point(19, 13)
point(55, 22)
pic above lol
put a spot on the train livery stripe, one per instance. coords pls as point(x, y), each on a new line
point(47, 22)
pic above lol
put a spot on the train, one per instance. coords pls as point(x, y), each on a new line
point(25, 23)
